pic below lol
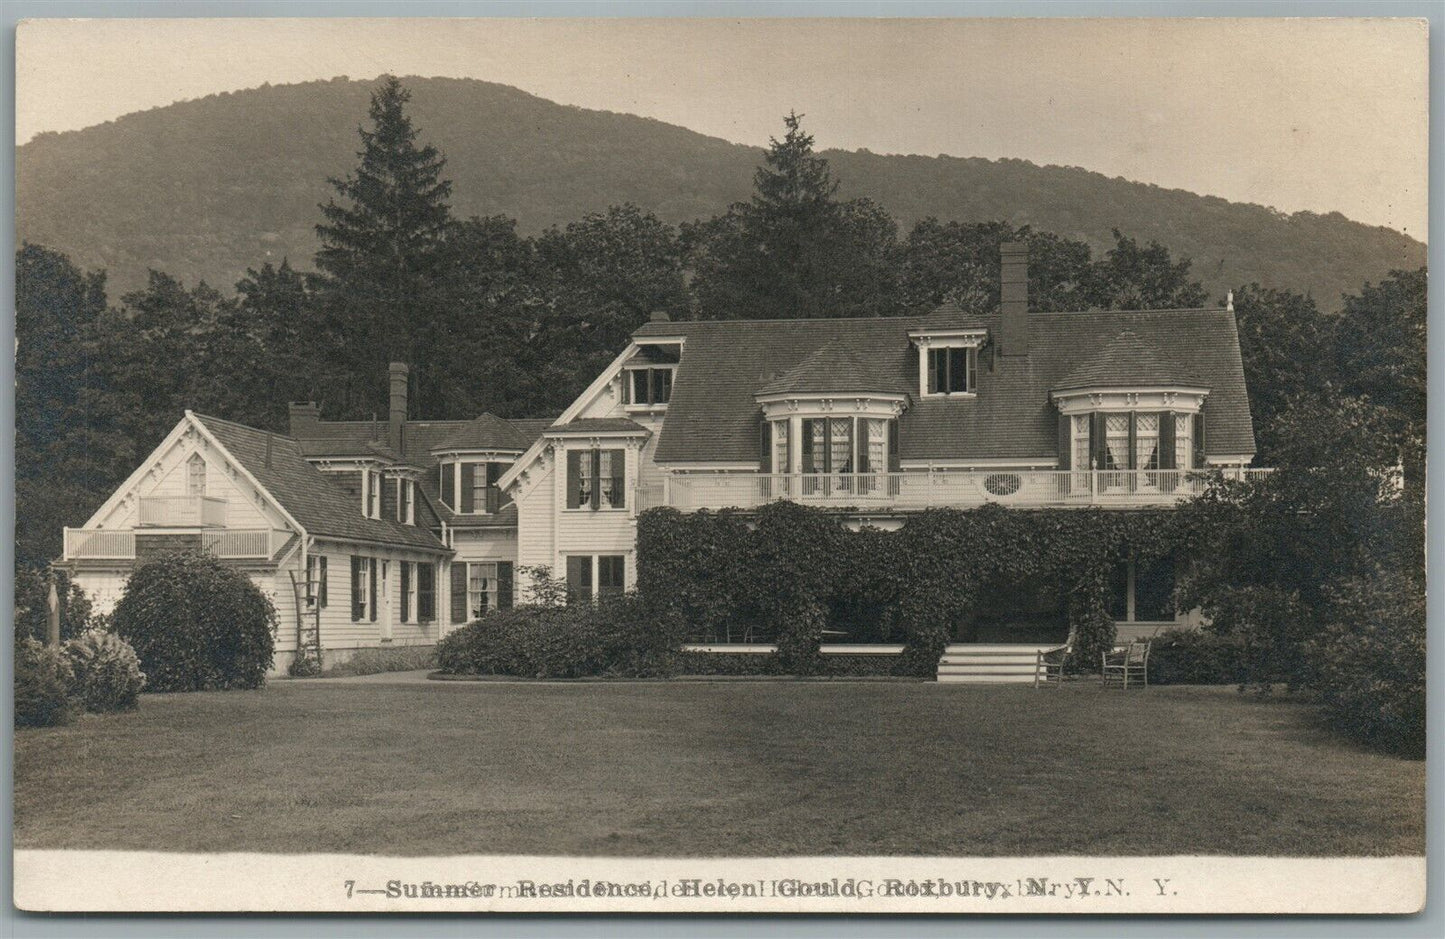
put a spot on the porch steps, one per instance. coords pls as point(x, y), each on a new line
point(978, 664)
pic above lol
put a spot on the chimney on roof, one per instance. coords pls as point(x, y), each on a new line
point(659, 316)
point(1013, 330)
point(396, 418)
point(305, 418)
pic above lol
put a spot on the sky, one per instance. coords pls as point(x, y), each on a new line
point(1318, 114)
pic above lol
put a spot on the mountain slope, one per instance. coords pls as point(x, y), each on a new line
point(206, 188)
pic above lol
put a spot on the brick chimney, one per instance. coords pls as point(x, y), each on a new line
point(396, 418)
point(1013, 339)
point(305, 418)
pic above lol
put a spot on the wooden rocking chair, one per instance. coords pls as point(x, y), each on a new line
point(1129, 666)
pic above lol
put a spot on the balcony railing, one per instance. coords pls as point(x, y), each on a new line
point(96, 544)
point(923, 489)
point(182, 512)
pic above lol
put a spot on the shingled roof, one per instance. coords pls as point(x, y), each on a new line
point(712, 415)
point(487, 432)
point(318, 504)
point(1127, 360)
point(834, 368)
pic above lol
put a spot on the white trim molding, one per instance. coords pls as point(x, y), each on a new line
point(1183, 399)
point(833, 404)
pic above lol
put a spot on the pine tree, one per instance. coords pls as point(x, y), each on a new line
point(794, 249)
point(380, 250)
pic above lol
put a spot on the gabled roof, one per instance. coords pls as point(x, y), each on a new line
point(487, 432)
point(315, 502)
point(597, 425)
point(1127, 360)
point(712, 414)
point(833, 368)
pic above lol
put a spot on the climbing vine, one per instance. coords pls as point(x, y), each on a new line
point(795, 575)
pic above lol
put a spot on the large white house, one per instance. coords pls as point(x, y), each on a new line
point(394, 533)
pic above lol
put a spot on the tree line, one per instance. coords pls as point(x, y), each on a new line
point(495, 321)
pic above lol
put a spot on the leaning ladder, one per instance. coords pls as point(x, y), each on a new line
point(308, 626)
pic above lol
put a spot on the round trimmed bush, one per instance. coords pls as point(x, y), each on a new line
point(196, 624)
point(107, 672)
point(43, 680)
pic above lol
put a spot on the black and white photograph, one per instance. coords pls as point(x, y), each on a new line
point(720, 465)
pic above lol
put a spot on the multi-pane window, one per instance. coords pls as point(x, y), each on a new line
point(1081, 455)
point(371, 493)
point(470, 487)
point(1116, 440)
point(481, 587)
point(363, 589)
point(316, 579)
point(1183, 441)
point(594, 575)
point(877, 445)
point(196, 476)
point(480, 485)
point(408, 590)
point(597, 479)
point(950, 371)
point(1146, 441)
point(649, 386)
point(841, 444)
point(405, 501)
point(782, 456)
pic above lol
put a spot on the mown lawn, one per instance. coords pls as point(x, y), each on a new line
point(713, 769)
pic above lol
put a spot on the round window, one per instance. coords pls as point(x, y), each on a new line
point(1003, 484)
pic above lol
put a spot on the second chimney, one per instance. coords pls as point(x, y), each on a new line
point(396, 417)
point(1013, 298)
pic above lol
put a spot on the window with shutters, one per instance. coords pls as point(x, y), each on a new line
point(877, 444)
point(426, 593)
point(951, 370)
point(481, 588)
point(408, 591)
point(405, 501)
point(595, 575)
point(597, 479)
point(363, 605)
point(371, 493)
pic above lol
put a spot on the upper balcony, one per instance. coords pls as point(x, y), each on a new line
point(925, 489)
point(182, 512)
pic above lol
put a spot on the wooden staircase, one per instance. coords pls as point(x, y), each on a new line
point(979, 664)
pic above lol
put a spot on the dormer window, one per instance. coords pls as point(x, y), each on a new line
point(405, 501)
point(469, 487)
point(951, 370)
point(371, 493)
point(948, 361)
point(647, 388)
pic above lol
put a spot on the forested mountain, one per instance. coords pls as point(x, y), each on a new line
point(205, 189)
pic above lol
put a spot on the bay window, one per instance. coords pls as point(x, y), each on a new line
point(469, 487)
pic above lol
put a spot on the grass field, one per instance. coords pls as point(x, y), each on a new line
point(713, 769)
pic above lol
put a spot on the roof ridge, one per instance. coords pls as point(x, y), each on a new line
point(228, 421)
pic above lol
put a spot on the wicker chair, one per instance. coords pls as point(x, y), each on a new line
point(1128, 666)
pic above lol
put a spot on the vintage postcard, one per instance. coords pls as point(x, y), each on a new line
point(850, 466)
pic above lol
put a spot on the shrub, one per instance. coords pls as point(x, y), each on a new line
point(1090, 624)
point(616, 636)
point(107, 672)
point(32, 611)
point(383, 659)
point(1197, 657)
point(43, 680)
point(1368, 666)
point(799, 622)
point(304, 664)
point(196, 624)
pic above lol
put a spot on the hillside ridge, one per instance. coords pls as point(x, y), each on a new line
point(206, 187)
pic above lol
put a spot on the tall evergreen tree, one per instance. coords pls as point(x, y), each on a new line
point(381, 249)
point(794, 249)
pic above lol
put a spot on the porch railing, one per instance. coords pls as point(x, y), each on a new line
point(96, 544)
point(182, 511)
point(922, 489)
